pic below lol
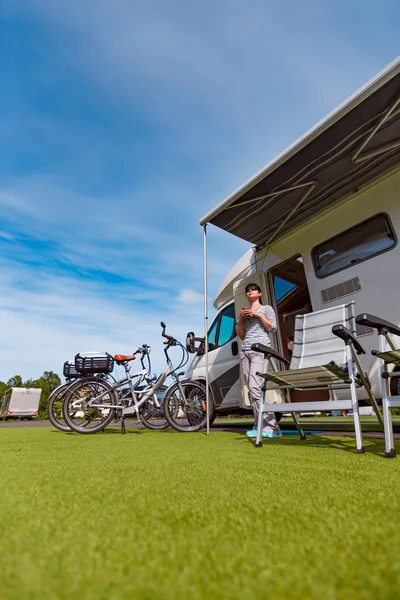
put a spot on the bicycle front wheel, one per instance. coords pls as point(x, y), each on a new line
point(89, 405)
point(185, 406)
point(152, 414)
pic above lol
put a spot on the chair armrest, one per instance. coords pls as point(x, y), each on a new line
point(268, 352)
point(377, 323)
point(344, 334)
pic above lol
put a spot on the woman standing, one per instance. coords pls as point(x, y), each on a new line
point(255, 324)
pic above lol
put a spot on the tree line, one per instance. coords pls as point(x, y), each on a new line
point(47, 382)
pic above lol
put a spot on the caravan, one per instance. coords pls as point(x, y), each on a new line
point(324, 218)
point(20, 403)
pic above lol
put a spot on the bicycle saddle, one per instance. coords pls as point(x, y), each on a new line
point(119, 358)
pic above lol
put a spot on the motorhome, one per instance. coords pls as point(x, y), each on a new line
point(324, 221)
point(20, 403)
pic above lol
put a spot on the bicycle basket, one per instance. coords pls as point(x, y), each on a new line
point(101, 363)
point(69, 370)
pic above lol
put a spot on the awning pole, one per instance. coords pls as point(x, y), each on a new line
point(206, 328)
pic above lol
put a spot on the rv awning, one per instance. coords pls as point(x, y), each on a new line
point(356, 143)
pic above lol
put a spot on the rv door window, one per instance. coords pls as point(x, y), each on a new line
point(368, 239)
point(282, 287)
point(223, 328)
point(212, 334)
point(227, 325)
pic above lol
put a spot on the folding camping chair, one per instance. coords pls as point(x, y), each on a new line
point(386, 357)
point(324, 358)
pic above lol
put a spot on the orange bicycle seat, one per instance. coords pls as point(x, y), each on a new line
point(123, 357)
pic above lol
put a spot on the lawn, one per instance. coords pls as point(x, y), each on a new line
point(163, 515)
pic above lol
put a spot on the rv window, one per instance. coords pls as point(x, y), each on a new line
point(223, 328)
point(368, 239)
point(212, 334)
point(282, 287)
point(227, 325)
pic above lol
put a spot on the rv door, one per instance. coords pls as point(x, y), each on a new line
point(241, 301)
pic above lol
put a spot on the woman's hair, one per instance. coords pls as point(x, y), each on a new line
point(256, 286)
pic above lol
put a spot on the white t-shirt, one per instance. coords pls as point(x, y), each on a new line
point(254, 330)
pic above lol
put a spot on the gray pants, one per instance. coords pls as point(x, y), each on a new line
point(251, 362)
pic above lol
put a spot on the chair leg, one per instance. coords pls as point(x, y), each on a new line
point(357, 429)
point(295, 418)
point(387, 416)
point(390, 452)
point(354, 404)
point(367, 387)
point(298, 427)
point(258, 443)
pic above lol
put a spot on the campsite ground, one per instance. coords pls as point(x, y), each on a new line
point(166, 515)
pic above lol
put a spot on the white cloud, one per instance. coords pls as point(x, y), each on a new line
point(187, 296)
point(227, 68)
point(7, 236)
point(80, 233)
point(48, 322)
point(216, 90)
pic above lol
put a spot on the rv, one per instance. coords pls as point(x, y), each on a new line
point(324, 221)
point(20, 403)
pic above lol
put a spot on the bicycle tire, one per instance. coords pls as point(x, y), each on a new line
point(212, 417)
point(213, 410)
point(76, 401)
point(54, 407)
point(188, 413)
point(152, 414)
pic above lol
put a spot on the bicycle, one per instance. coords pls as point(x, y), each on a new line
point(183, 402)
point(56, 398)
point(91, 404)
point(71, 374)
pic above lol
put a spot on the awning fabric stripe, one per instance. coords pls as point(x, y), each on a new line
point(360, 144)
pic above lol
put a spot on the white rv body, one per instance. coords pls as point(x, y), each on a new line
point(366, 271)
point(378, 277)
point(20, 403)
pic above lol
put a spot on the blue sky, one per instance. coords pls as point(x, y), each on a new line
point(123, 123)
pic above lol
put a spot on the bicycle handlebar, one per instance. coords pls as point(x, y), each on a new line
point(168, 337)
point(144, 349)
point(173, 342)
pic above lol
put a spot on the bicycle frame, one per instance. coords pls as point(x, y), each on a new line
point(152, 389)
point(134, 393)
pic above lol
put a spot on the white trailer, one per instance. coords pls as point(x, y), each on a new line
point(324, 218)
point(20, 403)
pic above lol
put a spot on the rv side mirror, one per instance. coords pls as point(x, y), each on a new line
point(190, 342)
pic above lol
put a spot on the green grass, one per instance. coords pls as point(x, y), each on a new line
point(163, 515)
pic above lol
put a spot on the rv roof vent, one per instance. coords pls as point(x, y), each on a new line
point(363, 330)
point(341, 289)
